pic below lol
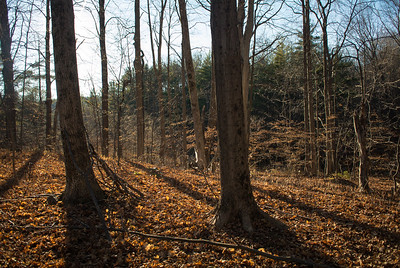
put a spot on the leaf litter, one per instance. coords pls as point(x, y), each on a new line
point(325, 222)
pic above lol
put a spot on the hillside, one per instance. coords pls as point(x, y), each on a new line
point(323, 221)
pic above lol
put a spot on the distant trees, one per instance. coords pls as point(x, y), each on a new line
point(80, 179)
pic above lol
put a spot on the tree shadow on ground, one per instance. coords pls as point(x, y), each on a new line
point(390, 237)
point(86, 243)
point(271, 235)
point(183, 187)
point(355, 228)
point(13, 181)
point(274, 237)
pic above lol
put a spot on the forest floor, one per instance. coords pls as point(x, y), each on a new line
point(324, 221)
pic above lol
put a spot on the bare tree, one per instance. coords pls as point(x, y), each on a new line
point(184, 110)
point(48, 77)
point(309, 121)
point(158, 70)
point(8, 76)
point(80, 179)
point(104, 80)
point(237, 200)
point(24, 76)
point(324, 11)
point(139, 84)
point(194, 101)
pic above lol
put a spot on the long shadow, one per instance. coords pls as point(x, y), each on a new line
point(270, 234)
point(179, 185)
point(13, 181)
point(280, 241)
point(86, 243)
point(390, 237)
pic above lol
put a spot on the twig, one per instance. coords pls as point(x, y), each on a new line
point(220, 244)
point(27, 197)
point(189, 240)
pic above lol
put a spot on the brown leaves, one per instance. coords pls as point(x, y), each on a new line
point(325, 223)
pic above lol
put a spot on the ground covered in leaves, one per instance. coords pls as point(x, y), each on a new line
point(325, 221)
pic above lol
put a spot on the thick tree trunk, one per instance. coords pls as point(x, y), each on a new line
point(104, 81)
point(8, 76)
point(80, 179)
point(237, 200)
point(194, 100)
point(139, 84)
point(48, 79)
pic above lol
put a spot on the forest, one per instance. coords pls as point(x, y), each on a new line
point(190, 133)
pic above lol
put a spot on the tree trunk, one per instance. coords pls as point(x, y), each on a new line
point(245, 40)
point(160, 87)
point(311, 155)
point(184, 111)
point(48, 79)
point(194, 101)
point(212, 121)
point(80, 179)
point(104, 81)
point(158, 71)
point(329, 109)
point(360, 128)
point(21, 140)
point(139, 84)
point(8, 76)
point(237, 200)
point(119, 117)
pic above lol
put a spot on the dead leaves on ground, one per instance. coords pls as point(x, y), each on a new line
point(326, 223)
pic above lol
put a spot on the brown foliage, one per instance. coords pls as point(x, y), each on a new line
point(326, 221)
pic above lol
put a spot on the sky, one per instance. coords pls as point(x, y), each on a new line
point(88, 51)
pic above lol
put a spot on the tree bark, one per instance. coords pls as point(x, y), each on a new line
point(360, 128)
point(184, 111)
point(139, 84)
point(245, 40)
point(194, 100)
point(80, 179)
point(311, 155)
point(212, 121)
point(328, 99)
point(104, 80)
point(8, 76)
point(48, 78)
point(236, 200)
point(21, 137)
